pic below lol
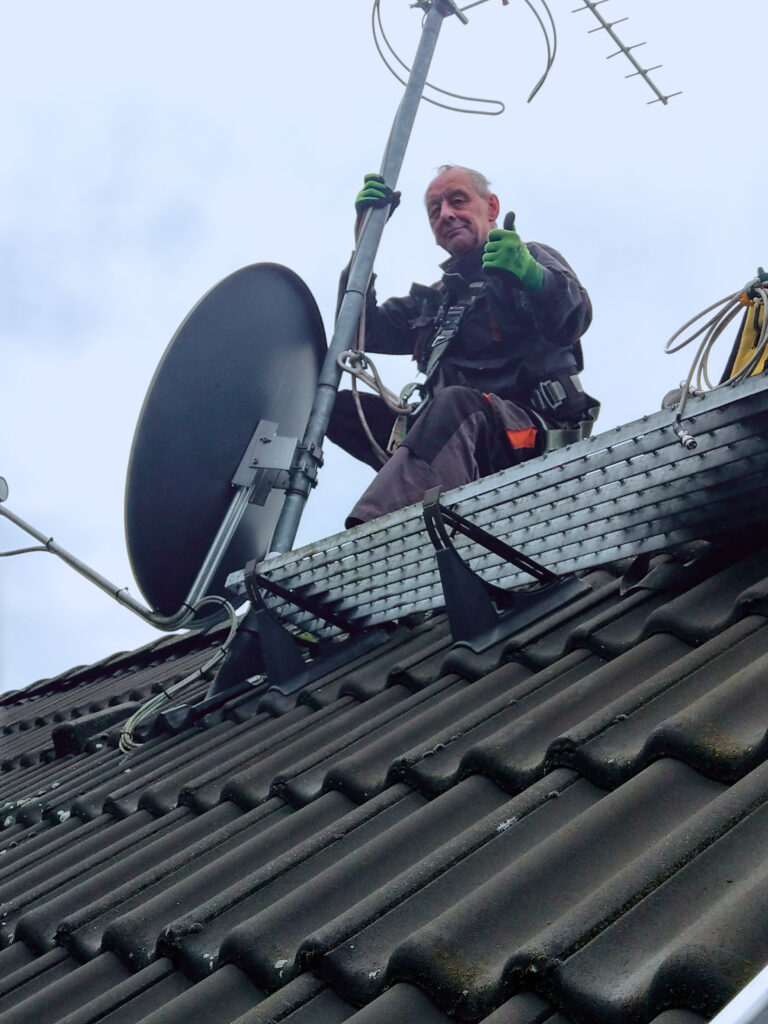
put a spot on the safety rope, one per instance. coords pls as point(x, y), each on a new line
point(357, 364)
point(753, 294)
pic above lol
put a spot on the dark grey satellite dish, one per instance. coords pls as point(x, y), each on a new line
point(250, 350)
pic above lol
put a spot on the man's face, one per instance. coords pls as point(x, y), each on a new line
point(460, 218)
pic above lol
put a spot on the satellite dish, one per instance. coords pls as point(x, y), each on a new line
point(250, 350)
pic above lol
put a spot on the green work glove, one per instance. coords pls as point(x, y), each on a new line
point(375, 193)
point(506, 251)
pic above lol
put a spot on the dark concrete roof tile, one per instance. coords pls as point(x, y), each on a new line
point(36, 914)
point(183, 844)
point(367, 767)
point(64, 985)
point(306, 778)
point(524, 1008)
point(399, 1004)
point(618, 740)
point(442, 761)
point(22, 979)
point(423, 666)
point(546, 639)
point(689, 963)
point(210, 760)
point(223, 861)
point(198, 949)
point(171, 999)
point(404, 661)
point(52, 795)
point(455, 716)
point(713, 604)
point(520, 748)
point(725, 732)
point(130, 776)
point(358, 967)
point(315, 917)
point(134, 999)
point(303, 1001)
point(41, 872)
point(327, 729)
point(517, 927)
point(13, 958)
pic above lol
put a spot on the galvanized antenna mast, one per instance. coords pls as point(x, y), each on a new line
point(305, 472)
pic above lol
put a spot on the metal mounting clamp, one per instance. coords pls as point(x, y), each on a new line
point(481, 614)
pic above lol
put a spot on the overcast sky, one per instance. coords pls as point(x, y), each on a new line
point(149, 151)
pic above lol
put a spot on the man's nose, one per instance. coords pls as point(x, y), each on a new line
point(446, 210)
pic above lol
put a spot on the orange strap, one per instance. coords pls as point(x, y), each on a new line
point(522, 438)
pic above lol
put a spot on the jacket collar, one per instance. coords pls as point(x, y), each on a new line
point(467, 264)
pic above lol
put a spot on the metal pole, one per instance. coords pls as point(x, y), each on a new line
point(234, 514)
point(351, 308)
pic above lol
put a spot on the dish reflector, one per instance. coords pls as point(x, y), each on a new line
point(250, 350)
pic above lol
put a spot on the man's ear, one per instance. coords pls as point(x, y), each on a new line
point(493, 207)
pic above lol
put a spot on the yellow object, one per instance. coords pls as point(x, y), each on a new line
point(746, 343)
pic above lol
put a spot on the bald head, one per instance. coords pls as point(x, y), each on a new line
point(461, 208)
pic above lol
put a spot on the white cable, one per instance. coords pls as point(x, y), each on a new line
point(727, 309)
point(153, 705)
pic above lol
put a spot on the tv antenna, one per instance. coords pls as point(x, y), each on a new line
point(240, 403)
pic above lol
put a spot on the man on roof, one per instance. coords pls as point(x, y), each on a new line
point(498, 339)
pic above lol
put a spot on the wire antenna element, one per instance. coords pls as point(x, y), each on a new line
point(495, 107)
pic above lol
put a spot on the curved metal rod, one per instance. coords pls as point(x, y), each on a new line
point(178, 619)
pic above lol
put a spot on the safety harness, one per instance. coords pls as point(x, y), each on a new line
point(560, 394)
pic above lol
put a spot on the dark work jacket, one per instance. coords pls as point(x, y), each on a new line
point(509, 339)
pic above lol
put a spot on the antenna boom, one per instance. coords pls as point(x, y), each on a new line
point(607, 26)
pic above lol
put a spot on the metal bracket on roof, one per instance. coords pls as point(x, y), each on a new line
point(255, 582)
point(263, 645)
point(481, 614)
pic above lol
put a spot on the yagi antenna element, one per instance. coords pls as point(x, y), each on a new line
point(607, 26)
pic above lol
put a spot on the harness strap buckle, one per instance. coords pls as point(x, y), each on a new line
point(548, 395)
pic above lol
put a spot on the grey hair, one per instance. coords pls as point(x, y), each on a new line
point(479, 181)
